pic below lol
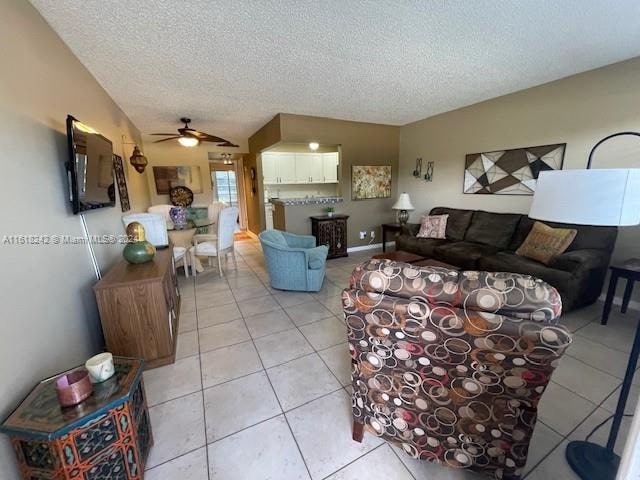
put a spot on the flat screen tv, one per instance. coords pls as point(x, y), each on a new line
point(90, 168)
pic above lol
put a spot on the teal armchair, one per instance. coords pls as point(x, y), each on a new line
point(293, 261)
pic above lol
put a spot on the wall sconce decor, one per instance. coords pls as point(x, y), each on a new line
point(428, 176)
point(418, 171)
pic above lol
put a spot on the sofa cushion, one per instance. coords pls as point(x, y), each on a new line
point(419, 246)
point(433, 226)
point(457, 223)
point(463, 254)
point(495, 229)
point(544, 242)
point(510, 262)
point(588, 236)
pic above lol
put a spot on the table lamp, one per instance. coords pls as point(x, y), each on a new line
point(403, 205)
point(605, 197)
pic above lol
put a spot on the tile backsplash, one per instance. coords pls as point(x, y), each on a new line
point(301, 190)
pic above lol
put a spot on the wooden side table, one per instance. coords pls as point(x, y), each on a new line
point(629, 269)
point(389, 227)
point(106, 436)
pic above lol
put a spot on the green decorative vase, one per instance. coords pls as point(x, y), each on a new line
point(138, 250)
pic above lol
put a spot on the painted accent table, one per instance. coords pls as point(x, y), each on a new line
point(107, 436)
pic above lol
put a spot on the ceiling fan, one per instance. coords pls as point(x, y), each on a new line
point(188, 137)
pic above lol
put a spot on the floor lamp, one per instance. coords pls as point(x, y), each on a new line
point(608, 197)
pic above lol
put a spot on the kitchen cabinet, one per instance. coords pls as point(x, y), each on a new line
point(298, 168)
point(269, 168)
point(330, 167)
point(309, 168)
point(278, 168)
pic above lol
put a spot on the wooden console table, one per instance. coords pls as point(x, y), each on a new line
point(140, 308)
point(108, 435)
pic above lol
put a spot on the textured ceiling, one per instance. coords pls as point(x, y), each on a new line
point(231, 65)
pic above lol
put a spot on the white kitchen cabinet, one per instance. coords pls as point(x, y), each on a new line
point(303, 168)
point(296, 168)
point(309, 168)
point(278, 168)
point(269, 168)
point(317, 168)
point(286, 164)
point(330, 167)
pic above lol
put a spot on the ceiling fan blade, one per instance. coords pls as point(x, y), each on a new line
point(227, 144)
point(211, 138)
point(165, 139)
point(161, 133)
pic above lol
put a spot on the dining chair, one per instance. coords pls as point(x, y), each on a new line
point(164, 211)
point(224, 241)
point(213, 210)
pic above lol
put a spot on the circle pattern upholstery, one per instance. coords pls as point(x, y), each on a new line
point(451, 365)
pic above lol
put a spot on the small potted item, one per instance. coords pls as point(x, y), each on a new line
point(138, 250)
point(72, 388)
point(100, 367)
point(330, 211)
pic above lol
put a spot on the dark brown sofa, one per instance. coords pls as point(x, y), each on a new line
point(478, 240)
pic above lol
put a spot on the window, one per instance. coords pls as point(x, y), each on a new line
point(226, 187)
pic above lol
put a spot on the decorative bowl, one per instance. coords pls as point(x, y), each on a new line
point(72, 388)
point(100, 367)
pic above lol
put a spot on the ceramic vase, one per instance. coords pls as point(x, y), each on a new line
point(178, 216)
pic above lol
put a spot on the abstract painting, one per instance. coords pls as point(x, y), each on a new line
point(510, 172)
point(373, 181)
point(174, 176)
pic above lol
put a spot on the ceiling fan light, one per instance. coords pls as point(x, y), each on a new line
point(138, 160)
point(314, 146)
point(188, 141)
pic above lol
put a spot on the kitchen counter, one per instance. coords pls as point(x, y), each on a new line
point(306, 201)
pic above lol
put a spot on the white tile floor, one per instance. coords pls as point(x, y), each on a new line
point(260, 386)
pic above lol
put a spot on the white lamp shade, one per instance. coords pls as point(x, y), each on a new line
point(403, 202)
point(588, 197)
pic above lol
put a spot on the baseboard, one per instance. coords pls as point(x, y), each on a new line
point(371, 246)
point(633, 304)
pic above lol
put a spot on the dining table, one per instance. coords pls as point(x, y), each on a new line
point(182, 236)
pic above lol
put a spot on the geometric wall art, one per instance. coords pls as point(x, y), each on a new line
point(510, 172)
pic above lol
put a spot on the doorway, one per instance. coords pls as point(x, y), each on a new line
point(226, 187)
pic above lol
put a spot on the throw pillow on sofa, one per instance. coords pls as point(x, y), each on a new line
point(544, 242)
point(433, 226)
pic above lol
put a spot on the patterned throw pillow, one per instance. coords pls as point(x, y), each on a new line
point(544, 242)
point(433, 226)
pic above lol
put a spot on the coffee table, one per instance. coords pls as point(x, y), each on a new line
point(417, 260)
point(400, 256)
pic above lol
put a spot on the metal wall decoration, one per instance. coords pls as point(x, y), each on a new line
point(370, 181)
point(122, 183)
point(510, 172)
point(428, 176)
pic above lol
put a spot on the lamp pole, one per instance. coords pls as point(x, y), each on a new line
point(590, 460)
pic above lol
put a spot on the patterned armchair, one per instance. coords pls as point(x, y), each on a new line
point(451, 365)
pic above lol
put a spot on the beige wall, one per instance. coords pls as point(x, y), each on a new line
point(578, 111)
point(50, 321)
point(172, 153)
point(360, 144)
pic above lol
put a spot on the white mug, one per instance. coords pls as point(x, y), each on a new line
point(100, 367)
